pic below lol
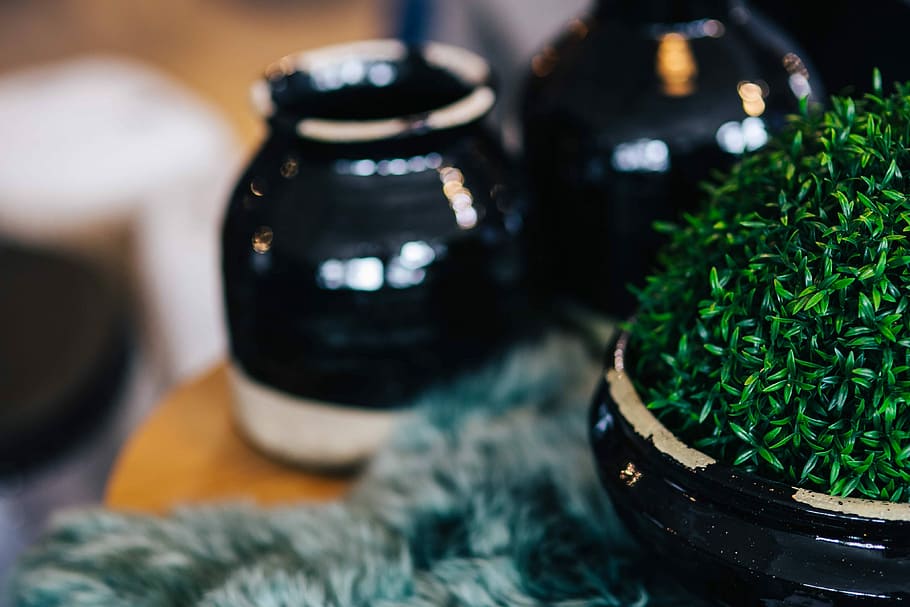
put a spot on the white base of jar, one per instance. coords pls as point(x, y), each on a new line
point(303, 431)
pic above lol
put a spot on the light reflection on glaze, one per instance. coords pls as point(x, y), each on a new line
point(630, 475)
point(799, 75)
point(257, 188)
point(367, 167)
point(262, 239)
point(357, 274)
point(752, 95)
point(371, 274)
point(644, 155)
point(460, 198)
point(691, 30)
point(416, 254)
point(676, 66)
point(353, 72)
point(737, 137)
point(290, 168)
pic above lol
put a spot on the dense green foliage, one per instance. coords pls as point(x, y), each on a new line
point(776, 337)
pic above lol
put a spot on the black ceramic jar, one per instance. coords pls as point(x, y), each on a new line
point(625, 114)
point(369, 248)
point(875, 30)
point(737, 538)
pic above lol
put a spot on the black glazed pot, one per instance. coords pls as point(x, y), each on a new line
point(875, 30)
point(737, 538)
point(369, 250)
point(625, 114)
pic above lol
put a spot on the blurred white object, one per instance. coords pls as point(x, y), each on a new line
point(111, 159)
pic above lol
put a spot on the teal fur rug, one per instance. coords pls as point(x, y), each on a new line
point(486, 496)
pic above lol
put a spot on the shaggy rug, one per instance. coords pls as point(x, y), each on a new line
point(486, 496)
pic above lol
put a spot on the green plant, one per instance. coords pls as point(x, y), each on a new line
point(776, 337)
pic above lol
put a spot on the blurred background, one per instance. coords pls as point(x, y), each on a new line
point(122, 128)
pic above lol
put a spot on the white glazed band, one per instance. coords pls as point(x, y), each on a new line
point(468, 67)
point(305, 431)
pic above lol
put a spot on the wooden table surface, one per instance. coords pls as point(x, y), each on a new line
point(189, 451)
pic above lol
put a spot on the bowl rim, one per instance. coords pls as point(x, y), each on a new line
point(648, 428)
point(468, 67)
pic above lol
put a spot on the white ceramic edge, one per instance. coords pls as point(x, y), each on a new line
point(647, 426)
point(306, 431)
point(338, 131)
point(467, 66)
point(854, 506)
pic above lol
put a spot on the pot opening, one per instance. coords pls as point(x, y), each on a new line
point(381, 90)
point(375, 89)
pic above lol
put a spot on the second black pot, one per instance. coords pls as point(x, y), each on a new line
point(737, 538)
point(625, 114)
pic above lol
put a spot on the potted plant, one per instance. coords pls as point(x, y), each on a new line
point(754, 423)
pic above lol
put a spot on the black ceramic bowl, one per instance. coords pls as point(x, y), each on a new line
point(737, 538)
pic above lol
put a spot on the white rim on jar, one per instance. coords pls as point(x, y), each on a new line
point(468, 67)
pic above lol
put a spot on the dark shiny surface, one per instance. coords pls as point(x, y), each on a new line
point(360, 273)
point(743, 540)
point(64, 350)
point(876, 32)
point(625, 114)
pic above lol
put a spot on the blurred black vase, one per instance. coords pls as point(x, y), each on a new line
point(369, 250)
point(625, 114)
point(848, 39)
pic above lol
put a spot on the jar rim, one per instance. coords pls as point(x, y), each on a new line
point(467, 67)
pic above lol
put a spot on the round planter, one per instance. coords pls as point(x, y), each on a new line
point(734, 537)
